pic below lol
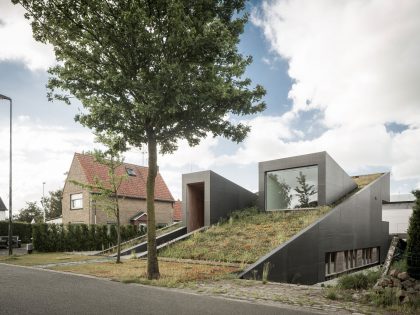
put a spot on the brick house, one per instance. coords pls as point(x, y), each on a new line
point(77, 201)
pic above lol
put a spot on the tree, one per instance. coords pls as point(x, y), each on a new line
point(282, 191)
point(413, 239)
point(152, 71)
point(31, 212)
point(105, 192)
point(304, 191)
point(52, 204)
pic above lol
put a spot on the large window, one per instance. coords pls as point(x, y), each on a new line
point(76, 201)
point(292, 188)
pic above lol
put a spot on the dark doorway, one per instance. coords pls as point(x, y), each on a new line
point(195, 206)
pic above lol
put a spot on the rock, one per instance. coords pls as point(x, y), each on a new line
point(400, 294)
point(384, 282)
point(393, 273)
point(417, 287)
point(356, 296)
point(406, 300)
point(396, 282)
point(411, 291)
point(407, 284)
point(377, 288)
point(403, 276)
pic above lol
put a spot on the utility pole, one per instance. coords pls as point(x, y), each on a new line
point(3, 97)
point(43, 200)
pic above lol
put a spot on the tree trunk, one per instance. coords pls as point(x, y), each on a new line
point(152, 261)
point(118, 235)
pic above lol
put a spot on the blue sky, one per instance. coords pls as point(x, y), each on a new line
point(340, 76)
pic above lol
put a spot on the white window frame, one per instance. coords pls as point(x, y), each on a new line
point(73, 199)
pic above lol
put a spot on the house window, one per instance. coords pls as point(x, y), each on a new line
point(292, 188)
point(130, 172)
point(76, 201)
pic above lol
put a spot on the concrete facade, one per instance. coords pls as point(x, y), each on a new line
point(354, 224)
point(92, 214)
point(208, 197)
point(333, 181)
point(397, 212)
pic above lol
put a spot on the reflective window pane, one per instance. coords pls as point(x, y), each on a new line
point(292, 188)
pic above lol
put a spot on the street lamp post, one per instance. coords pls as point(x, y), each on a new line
point(3, 97)
point(43, 200)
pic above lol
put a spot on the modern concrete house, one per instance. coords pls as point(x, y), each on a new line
point(79, 206)
point(351, 236)
point(397, 212)
point(208, 197)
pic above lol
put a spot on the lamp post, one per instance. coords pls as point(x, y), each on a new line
point(43, 200)
point(3, 97)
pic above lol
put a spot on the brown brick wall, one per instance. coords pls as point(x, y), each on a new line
point(80, 215)
point(128, 206)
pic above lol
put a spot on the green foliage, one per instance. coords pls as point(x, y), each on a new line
point(359, 281)
point(413, 239)
point(52, 204)
point(21, 229)
point(384, 298)
point(266, 271)
point(304, 191)
point(76, 237)
point(30, 212)
point(144, 69)
point(331, 294)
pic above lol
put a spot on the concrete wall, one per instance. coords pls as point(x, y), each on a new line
point(398, 216)
point(356, 223)
point(221, 196)
point(333, 182)
point(337, 182)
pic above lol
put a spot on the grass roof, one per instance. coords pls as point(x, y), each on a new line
point(245, 236)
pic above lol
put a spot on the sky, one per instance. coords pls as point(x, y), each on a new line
point(341, 76)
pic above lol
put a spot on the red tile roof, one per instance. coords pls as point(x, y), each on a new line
point(133, 186)
point(177, 211)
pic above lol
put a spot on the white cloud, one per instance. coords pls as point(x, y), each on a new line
point(40, 154)
point(17, 43)
point(356, 60)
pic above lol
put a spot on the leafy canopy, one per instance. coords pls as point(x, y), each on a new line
point(150, 69)
point(30, 212)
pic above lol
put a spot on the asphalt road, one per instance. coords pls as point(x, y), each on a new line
point(31, 291)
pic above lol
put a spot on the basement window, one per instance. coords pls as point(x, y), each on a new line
point(130, 172)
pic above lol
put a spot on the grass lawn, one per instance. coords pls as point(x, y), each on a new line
point(173, 274)
point(245, 237)
point(43, 259)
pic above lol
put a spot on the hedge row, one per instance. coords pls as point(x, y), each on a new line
point(21, 229)
point(78, 237)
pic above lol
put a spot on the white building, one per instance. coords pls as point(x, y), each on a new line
point(397, 212)
point(3, 210)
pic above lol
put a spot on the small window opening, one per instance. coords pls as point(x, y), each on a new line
point(130, 172)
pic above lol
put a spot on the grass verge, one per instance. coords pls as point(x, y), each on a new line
point(43, 259)
point(173, 274)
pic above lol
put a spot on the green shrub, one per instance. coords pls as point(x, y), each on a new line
point(359, 281)
point(77, 237)
point(355, 281)
point(413, 240)
point(21, 229)
point(331, 294)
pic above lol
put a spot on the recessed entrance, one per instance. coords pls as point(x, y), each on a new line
point(195, 206)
